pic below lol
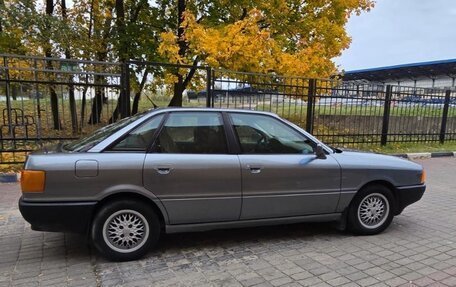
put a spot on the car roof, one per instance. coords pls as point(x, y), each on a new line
point(205, 109)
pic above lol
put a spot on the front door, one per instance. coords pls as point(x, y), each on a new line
point(191, 171)
point(281, 175)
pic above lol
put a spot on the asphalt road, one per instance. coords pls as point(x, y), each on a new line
point(418, 249)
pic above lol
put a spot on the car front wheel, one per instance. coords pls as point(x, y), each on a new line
point(371, 211)
point(125, 230)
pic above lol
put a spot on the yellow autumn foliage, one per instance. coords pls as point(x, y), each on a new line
point(287, 37)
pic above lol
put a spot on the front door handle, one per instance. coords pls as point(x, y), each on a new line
point(254, 169)
point(163, 170)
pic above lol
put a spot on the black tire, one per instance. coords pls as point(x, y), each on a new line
point(125, 230)
point(365, 216)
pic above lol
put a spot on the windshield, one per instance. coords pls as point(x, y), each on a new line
point(87, 142)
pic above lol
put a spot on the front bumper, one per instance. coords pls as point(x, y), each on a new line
point(407, 195)
point(58, 216)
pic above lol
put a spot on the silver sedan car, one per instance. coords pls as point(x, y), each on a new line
point(180, 169)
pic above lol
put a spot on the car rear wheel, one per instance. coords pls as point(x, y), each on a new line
point(125, 230)
point(371, 211)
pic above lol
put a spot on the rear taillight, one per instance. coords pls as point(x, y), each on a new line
point(33, 180)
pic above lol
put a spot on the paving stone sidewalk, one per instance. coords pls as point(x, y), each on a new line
point(419, 249)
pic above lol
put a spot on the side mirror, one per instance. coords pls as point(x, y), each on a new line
point(320, 152)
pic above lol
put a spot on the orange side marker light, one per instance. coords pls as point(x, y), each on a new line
point(32, 180)
point(423, 176)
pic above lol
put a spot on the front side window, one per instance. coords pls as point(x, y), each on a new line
point(140, 138)
point(261, 134)
point(192, 133)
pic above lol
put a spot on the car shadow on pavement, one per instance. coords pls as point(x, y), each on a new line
point(58, 246)
point(78, 246)
point(227, 238)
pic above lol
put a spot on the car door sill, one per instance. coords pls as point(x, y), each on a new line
point(177, 228)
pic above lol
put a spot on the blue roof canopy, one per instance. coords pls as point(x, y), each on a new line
point(406, 71)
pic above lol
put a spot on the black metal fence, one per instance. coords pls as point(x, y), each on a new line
point(344, 113)
point(46, 100)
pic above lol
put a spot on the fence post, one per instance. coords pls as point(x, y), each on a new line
point(8, 98)
point(386, 114)
point(310, 104)
point(445, 116)
point(209, 99)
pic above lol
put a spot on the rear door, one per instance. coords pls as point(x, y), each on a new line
point(281, 175)
point(191, 170)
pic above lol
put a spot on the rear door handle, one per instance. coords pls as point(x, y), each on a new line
point(163, 169)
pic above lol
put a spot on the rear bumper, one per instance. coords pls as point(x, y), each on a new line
point(58, 216)
point(407, 195)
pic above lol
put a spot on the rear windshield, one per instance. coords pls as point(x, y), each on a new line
point(89, 141)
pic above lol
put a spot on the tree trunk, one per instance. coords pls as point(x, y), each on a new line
point(123, 103)
point(14, 92)
point(97, 104)
point(137, 97)
point(181, 85)
point(84, 92)
point(2, 6)
point(53, 94)
point(73, 113)
point(99, 99)
point(179, 88)
point(115, 114)
point(83, 106)
point(54, 99)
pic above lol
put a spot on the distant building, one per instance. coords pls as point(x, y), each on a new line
point(434, 74)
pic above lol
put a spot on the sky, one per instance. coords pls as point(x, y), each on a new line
point(399, 32)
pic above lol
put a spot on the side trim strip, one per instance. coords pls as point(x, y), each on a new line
point(335, 192)
point(165, 199)
point(57, 203)
point(349, 191)
point(326, 192)
point(410, 186)
point(250, 223)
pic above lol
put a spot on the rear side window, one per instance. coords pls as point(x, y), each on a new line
point(85, 143)
point(140, 138)
point(192, 133)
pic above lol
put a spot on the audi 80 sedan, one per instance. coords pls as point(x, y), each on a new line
point(181, 169)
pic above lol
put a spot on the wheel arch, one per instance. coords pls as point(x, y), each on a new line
point(131, 195)
point(343, 208)
point(384, 183)
point(347, 219)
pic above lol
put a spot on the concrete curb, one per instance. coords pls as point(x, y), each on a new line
point(15, 177)
point(419, 155)
point(425, 155)
point(9, 177)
